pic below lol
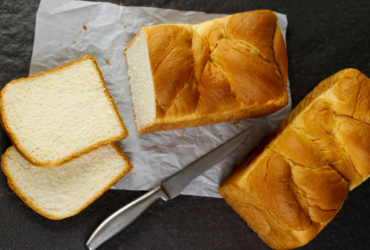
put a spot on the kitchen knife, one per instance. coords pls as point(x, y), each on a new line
point(169, 189)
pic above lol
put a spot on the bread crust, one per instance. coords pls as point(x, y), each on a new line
point(297, 180)
point(179, 54)
point(23, 151)
point(38, 210)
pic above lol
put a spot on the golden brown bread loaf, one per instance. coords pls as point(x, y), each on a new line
point(230, 68)
point(299, 178)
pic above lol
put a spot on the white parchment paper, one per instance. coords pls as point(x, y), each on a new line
point(60, 37)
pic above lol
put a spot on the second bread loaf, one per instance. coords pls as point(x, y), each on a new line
point(299, 178)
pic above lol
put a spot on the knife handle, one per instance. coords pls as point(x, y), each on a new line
point(124, 218)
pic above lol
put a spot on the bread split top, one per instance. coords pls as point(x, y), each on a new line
point(299, 178)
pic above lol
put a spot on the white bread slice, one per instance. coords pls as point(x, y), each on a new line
point(56, 116)
point(61, 192)
point(141, 82)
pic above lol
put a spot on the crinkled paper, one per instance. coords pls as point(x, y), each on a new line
point(67, 30)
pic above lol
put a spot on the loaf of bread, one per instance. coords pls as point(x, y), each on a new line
point(226, 69)
point(56, 116)
point(61, 192)
point(299, 178)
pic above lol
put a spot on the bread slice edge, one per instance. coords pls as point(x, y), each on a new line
point(38, 210)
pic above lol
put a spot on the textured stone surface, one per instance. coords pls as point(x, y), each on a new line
point(323, 38)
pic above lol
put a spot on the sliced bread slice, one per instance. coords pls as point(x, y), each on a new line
point(61, 192)
point(56, 116)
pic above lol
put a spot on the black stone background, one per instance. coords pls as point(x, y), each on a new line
point(323, 38)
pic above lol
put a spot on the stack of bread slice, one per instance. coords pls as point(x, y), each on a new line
point(63, 125)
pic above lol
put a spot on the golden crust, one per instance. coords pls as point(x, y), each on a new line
point(35, 162)
point(215, 118)
point(220, 70)
point(294, 184)
point(38, 210)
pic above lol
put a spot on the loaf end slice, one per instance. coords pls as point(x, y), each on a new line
point(56, 116)
point(61, 192)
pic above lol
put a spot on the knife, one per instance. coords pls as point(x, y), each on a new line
point(169, 189)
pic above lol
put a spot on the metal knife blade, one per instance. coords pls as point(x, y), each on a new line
point(169, 189)
point(177, 182)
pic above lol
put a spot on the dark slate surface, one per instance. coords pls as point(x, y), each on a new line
point(323, 38)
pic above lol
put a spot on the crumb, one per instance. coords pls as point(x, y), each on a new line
point(236, 122)
point(124, 26)
point(157, 143)
point(74, 53)
point(221, 136)
point(232, 166)
point(122, 22)
point(201, 132)
point(60, 45)
point(84, 27)
point(182, 134)
point(216, 187)
point(74, 41)
point(60, 22)
point(67, 50)
point(108, 61)
point(135, 173)
point(120, 4)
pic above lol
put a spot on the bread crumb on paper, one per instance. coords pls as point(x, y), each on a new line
point(232, 166)
point(84, 27)
point(201, 132)
point(107, 60)
point(182, 134)
point(216, 187)
point(120, 4)
point(124, 26)
point(67, 50)
point(74, 41)
point(60, 45)
point(221, 136)
point(236, 122)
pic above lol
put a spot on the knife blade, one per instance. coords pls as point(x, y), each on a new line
point(169, 189)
